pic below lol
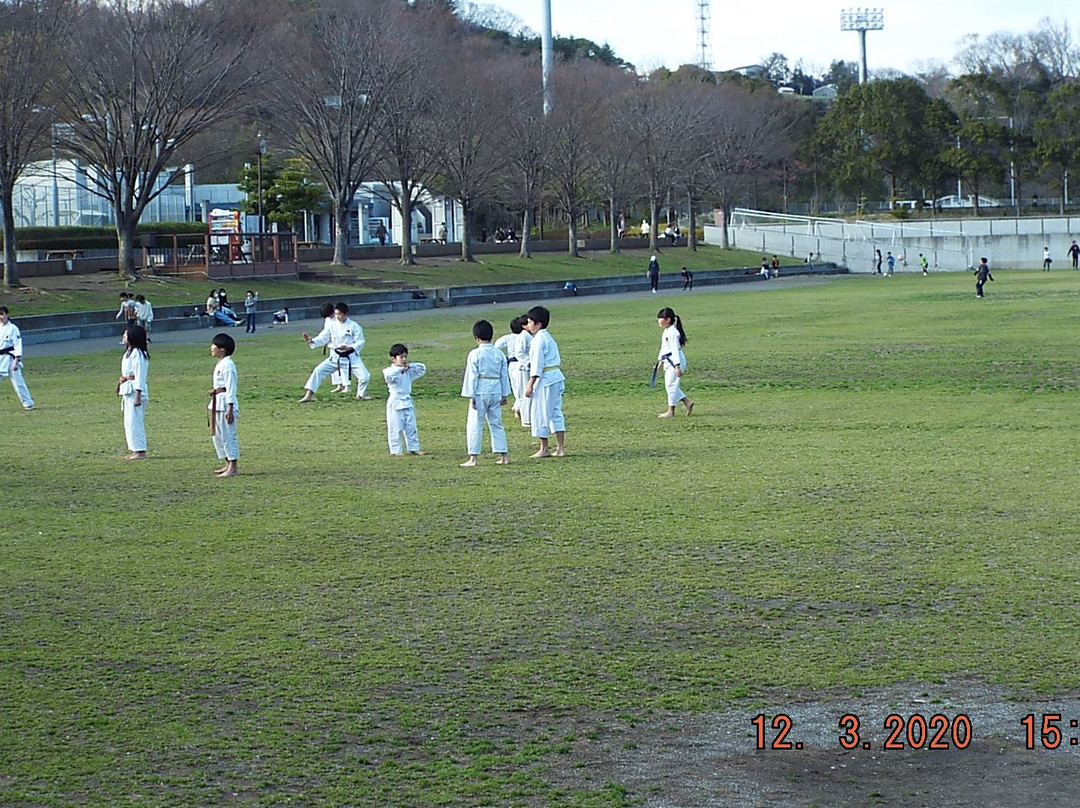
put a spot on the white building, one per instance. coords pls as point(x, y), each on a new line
point(57, 193)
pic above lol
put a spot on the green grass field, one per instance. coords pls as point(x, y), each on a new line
point(878, 485)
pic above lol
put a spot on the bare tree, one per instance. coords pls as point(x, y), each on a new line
point(582, 90)
point(409, 116)
point(32, 31)
point(471, 151)
point(339, 81)
point(751, 137)
point(613, 151)
point(153, 75)
point(657, 121)
point(527, 152)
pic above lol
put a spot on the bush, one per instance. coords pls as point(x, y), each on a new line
point(93, 238)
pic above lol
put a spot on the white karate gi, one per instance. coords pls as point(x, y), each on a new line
point(11, 351)
point(337, 378)
point(340, 336)
point(134, 364)
point(671, 354)
point(487, 384)
point(547, 393)
point(505, 344)
point(400, 415)
point(519, 377)
point(225, 441)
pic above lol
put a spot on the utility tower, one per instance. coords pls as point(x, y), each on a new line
point(704, 49)
point(862, 20)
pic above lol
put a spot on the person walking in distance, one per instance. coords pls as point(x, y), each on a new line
point(982, 275)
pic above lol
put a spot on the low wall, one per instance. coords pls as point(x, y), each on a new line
point(43, 328)
point(949, 244)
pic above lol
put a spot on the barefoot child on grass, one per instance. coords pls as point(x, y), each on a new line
point(546, 384)
point(400, 415)
point(672, 360)
point(223, 406)
point(486, 385)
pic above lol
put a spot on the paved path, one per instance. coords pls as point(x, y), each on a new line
point(66, 348)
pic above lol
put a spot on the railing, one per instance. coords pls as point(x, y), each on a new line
point(183, 254)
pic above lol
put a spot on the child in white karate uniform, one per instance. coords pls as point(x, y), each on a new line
point(486, 385)
point(223, 406)
point(345, 338)
point(133, 390)
point(546, 384)
point(11, 358)
point(519, 370)
point(400, 414)
point(673, 360)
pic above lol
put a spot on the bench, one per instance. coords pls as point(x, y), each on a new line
point(64, 255)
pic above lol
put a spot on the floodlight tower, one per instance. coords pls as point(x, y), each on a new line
point(704, 51)
point(862, 20)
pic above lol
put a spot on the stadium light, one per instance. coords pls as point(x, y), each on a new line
point(862, 20)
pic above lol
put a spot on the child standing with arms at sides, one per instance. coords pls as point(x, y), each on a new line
point(486, 385)
point(133, 391)
point(251, 300)
point(673, 360)
point(400, 415)
point(546, 384)
point(223, 406)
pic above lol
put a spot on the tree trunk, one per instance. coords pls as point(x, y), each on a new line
point(613, 226)
point(691, 229)
point(526, 233)
point(11, 266)
point(725, 243)
point(571, 236)
point(466, 245)
point(406, 208)
point(654, 222)
point(125, 240)
point(341, 235)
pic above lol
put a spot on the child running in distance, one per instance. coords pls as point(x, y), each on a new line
point(673, 360)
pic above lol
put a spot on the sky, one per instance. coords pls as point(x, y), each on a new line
point(665, 34)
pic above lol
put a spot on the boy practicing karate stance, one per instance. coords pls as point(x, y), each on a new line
point(345, 339)
point(486, 385)
point(400, 415)
point(546, 384)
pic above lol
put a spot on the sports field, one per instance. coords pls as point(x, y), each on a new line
point(877, 488)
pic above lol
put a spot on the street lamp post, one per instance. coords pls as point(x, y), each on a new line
point(55, 179)
point(262, 151)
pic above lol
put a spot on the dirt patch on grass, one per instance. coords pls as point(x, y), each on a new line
point(680, 761)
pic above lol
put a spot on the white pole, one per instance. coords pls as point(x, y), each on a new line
point(547, 59)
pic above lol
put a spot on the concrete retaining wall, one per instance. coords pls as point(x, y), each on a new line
point(42, 328)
